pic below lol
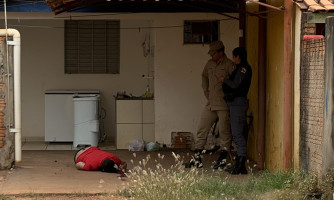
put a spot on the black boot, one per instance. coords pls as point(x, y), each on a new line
point(221, 162)
point(195, 160)
point(239, 167)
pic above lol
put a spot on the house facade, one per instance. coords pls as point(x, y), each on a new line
point(175, 68)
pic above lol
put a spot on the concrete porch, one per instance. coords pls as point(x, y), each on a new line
point(53, 171)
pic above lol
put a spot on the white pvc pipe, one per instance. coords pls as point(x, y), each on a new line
point(17, 88)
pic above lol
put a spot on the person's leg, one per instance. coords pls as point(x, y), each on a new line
point(224, 128)
point(207, 119)
point(238, 117)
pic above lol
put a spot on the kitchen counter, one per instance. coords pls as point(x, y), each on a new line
point(134, 98)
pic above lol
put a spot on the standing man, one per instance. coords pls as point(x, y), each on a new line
point(218, 66)
point(236, 88)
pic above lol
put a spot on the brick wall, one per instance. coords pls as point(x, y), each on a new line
point(2, 120)
point(307, 28)
point(6, 106)
point(311, 104)
point(2, 109)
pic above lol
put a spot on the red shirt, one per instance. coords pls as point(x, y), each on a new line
point(93, 158)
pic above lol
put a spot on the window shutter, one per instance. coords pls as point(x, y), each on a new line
point(92, 46)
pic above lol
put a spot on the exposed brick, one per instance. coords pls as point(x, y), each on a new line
point(311, 102)
point(2, 130)
point(2, 104)
point(6, 142)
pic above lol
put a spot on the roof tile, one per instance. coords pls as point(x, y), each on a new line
point(327, 4)
point(315, 5)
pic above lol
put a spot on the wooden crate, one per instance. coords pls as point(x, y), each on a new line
point(181, 140)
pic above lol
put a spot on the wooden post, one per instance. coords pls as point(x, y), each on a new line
point(287, 111)
point(328, 139)
point(262, 57)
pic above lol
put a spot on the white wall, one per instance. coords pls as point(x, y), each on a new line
point(177, 67)
point(179, 95)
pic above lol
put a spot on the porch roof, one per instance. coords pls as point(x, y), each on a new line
point(135, 6)
point(315, 5)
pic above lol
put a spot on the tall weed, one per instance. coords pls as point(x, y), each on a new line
point(179, 183)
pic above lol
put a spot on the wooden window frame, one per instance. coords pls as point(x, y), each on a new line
point(200, 31)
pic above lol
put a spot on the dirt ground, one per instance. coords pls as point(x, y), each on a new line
point(61, 197)
point(51, 175)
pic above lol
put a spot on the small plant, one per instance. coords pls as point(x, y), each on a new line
point(160, 183)
point(327, 184)
point(4, 197)
point(313, 184)
point(309, 185)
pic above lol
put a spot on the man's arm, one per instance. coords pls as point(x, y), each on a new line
point(205, 78)
point(80, 165)
point(207, 94)
point(205, 81)
point(238, 79)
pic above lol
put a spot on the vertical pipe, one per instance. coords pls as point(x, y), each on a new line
point(287, 111)
point(262, 59)
point(17, 99)
point(296, 92)
point(17, 88)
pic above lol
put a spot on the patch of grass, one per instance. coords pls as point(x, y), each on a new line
point(34, 196)
point(178, 183)
point(306, 183)
point(252, 188)
point(4, 197)
point(57, 196)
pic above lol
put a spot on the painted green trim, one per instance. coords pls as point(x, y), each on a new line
point(318, 17)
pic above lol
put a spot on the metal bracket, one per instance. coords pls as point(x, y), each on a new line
point(14, 130)
point(14, 43)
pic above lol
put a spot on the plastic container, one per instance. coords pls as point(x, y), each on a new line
point(148, 92)
point(86, 120)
